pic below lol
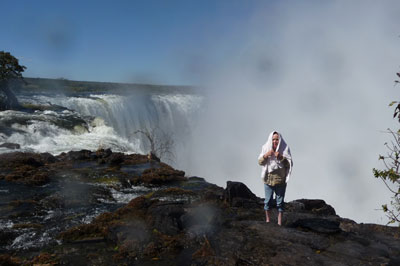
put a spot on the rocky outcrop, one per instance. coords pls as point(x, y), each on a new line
point(11, 146)
point(238, 194)
point(152, 230)
point(177, 220)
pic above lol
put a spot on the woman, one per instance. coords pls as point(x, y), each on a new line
point(276, 161)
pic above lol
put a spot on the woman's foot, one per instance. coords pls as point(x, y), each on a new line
point(279, 218)
point(267, 216)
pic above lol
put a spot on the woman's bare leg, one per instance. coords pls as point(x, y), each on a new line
point(279, 218)
point(267, 216)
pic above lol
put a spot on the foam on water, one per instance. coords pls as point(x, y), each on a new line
point(111, 121)
point(126, 195)
point(4, 224)
point(93, 214)
point(40, 133)
point(25, 241)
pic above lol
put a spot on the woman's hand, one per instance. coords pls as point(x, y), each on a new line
point(278, 155)
point(268, 154)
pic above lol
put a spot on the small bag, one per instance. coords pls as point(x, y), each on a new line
point(277, 177)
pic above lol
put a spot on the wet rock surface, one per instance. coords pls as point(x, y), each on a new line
point(43, 195)
point(12, 146)
point(105, 208)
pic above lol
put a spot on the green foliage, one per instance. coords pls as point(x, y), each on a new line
point(390, 175)
point(10, 69)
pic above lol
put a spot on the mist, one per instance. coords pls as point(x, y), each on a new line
point(320, 73)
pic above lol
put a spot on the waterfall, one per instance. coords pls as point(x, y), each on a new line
point(111, 121)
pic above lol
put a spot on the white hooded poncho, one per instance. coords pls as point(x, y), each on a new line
point(272, 162)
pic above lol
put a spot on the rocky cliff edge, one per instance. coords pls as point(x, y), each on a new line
point(171, 220)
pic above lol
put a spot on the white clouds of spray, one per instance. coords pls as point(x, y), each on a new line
point(321, 73)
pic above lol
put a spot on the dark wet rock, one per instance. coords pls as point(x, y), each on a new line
point(162, 175)
point(115, 159)
point(7, 237)
point(245, 203)
point(8, 260)
point(15, 159)
point(175, 194)
point(48, 158)
point(208, 232)
point(25, 168)
point(318, 225)
point(22, 208)
point(45, 259)
point(103, 153)
point(202, 220)
point(105, 156)
point(134, 159)
point(169, 220)
point(11, 146)
point(166, 217)
point(238, 189)
point(77, 155)
point(20, 166)
point(239, 195)
point(208, 190)
point(394, 261)
point(316, 206)
point(80, 194)
point(83, 233)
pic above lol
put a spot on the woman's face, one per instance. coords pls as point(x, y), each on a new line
point(275, 141)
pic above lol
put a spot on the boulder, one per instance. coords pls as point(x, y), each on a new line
point(238, 194)
point(318, 225)
point(77, 155)
point(316, 206)
point(165, 217)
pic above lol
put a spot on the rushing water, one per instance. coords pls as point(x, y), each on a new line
point(98, 121)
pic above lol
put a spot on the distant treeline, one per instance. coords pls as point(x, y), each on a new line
point(43, 85)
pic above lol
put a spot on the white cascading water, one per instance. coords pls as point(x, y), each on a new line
point(111, 122)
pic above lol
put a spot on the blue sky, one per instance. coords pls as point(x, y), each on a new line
point(122, 41)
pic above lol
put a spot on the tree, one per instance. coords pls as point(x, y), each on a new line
point(10, 70)
point(391, 175)
point(161, 144)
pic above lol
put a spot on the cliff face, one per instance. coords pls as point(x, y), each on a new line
point(171, 220)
